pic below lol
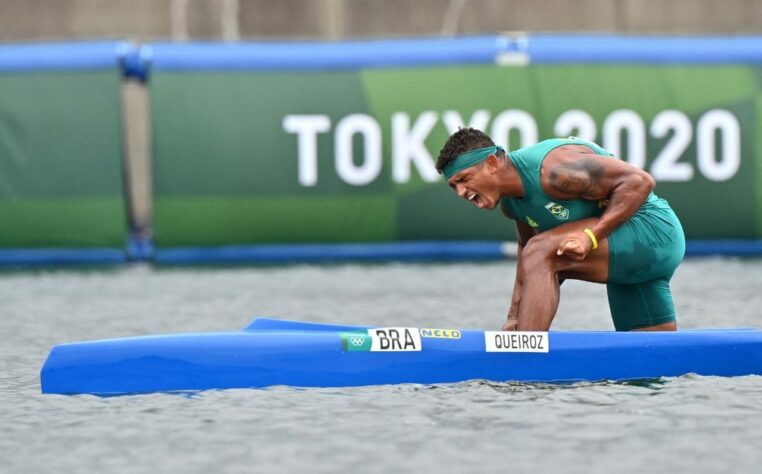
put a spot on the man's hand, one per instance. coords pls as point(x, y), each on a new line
point(576, 245)
point(510, 325)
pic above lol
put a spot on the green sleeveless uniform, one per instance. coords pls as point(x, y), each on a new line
point(643, 252)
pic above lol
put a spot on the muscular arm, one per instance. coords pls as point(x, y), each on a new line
point(523, 234)
point(574, 172)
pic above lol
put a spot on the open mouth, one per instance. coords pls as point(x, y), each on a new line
point(476, 199)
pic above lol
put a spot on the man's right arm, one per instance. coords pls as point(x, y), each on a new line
point(523, 234)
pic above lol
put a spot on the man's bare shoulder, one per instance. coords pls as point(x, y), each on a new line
point(571, 171)
point(567, 153)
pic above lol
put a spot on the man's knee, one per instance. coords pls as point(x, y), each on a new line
point(538, 250)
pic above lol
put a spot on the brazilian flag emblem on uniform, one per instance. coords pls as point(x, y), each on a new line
point(558, 211)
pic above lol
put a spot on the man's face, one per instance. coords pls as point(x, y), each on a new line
point(478, 185)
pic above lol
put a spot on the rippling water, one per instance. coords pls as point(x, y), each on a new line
point(701, 424)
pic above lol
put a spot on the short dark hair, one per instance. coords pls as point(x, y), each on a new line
point(463, 140)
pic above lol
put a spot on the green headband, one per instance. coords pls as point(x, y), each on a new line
point(468, 159)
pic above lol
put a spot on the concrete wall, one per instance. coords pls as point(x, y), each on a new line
point(25, 20)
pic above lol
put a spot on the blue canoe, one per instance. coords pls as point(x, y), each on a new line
point(272, 352)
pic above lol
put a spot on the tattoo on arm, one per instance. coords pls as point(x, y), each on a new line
point(577, 177)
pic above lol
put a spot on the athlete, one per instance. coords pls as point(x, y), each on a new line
point(580, 214)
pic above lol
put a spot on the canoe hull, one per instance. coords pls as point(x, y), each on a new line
point(318, 358)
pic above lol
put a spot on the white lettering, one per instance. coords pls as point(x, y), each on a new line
point(576, 123)
point(346, 129)
point(727, 125)
point(631, 124)
point(665, 166)
point(408, 147)
point(359, 142)
point(307, 128)
point(514, 119)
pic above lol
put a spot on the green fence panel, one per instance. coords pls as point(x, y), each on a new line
point(61, 158)
point(348, 155)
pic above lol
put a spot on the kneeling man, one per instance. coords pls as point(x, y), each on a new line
point(580, 214)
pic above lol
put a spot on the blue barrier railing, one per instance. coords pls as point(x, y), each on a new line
point(64, 56)
point(53, 257)
point(655, 49)
point(512, 49)
point(138, 61)
point(320, 55)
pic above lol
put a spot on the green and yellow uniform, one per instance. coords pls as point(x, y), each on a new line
point(643, 252)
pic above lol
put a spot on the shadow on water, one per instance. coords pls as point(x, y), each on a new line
point(457, 387)
point(520, 387)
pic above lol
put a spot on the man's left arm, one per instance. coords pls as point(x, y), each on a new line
point(574, 172)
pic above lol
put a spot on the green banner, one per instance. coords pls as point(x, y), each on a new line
point(60, 160)
point(263, 157)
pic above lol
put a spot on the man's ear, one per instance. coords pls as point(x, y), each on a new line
point(493, 163)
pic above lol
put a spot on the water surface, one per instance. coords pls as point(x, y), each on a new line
point(690, 423)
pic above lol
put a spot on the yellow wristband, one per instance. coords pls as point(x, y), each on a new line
point(592, 237)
